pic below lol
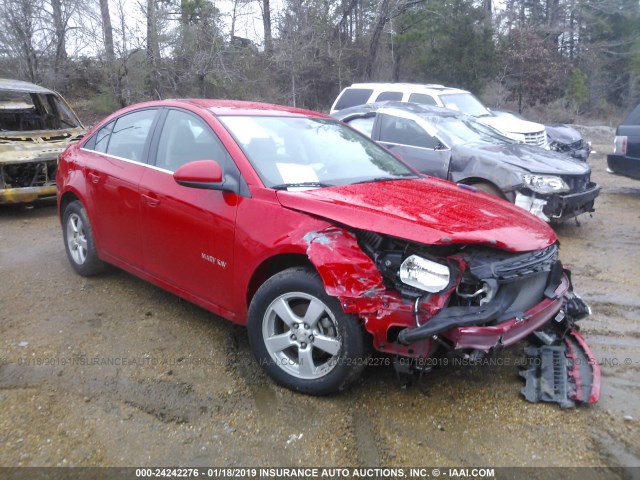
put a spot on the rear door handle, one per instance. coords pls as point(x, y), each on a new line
point(95, 178)
point(151, 200)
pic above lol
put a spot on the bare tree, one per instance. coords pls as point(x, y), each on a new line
point(266, 23)
point(387, 10)
point(60, 30)
point(153, 49)
point(113, 76)
point(21, 33)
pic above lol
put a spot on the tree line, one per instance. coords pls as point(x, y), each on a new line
point(581, 56)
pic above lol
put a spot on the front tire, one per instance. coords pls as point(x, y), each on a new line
point(489, 189)
point(78, 241)
point(302, 338)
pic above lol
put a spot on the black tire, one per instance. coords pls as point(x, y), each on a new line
point(334, 344)
point(489, 189)
point(78, 241)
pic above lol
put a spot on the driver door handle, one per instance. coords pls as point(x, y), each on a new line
point(151, 200)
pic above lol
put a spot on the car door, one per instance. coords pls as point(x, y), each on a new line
point(116, 158)
point(188, 233)
point(414, 145)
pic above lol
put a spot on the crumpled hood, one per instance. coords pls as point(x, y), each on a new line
point(561, 133)
point(427, 211)
point(529, 158)
point(511, 124)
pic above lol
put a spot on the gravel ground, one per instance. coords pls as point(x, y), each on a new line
point(111, 371)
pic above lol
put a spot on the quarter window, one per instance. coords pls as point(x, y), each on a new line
point(363, 124)
point(352, 97)
point(101, 138)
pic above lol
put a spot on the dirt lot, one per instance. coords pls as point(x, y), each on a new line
point(112, 371)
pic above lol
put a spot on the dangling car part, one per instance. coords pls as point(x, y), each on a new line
point(36, 125)
point(320, 241)
point(563, 369)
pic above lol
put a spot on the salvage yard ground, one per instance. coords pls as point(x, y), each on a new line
point(112, 371)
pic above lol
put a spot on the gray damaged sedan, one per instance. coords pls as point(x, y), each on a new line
point(454, 146)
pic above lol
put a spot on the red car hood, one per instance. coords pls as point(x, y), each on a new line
point(427, 211)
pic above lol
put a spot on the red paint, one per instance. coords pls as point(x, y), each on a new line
point(214, 248)
point(427, 210)
point(201, 171)
point(510, 331)
point(595, 368)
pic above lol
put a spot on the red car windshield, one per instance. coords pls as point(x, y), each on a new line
point(311, 152)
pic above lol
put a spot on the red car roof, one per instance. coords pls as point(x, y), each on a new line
point(238, 107)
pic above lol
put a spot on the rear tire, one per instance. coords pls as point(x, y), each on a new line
point(302, 338)
point(78, 241)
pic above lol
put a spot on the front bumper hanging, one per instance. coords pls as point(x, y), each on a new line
point(566, 374)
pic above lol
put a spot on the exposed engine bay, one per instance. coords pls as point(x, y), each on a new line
point(421, 300)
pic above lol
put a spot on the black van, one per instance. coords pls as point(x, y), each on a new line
point(625, 159)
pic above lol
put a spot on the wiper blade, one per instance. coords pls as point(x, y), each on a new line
point(387, 179)
point(285, 186)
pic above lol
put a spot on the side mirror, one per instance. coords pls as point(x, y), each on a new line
point(202, 174)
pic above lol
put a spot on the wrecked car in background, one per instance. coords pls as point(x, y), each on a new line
point(566, 139)
point(435, 95)
point(319, 240)
point(560, 137)
point(455, 146)
point(36, 125)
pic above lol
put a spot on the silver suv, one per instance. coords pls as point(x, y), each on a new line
point(438, 95)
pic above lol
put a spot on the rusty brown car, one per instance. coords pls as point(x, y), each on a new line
point(36, 125)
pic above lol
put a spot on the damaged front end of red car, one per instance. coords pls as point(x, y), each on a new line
point(415, 299)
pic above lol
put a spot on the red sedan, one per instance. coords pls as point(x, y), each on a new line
point(320, 241)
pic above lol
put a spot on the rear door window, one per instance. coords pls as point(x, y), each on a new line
point(352, 97)
point(389, 96)
point(130, 133)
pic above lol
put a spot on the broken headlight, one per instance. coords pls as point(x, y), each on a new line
point(545, 183)
point(424, 274)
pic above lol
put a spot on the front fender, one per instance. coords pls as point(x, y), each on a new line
point(504, 177)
